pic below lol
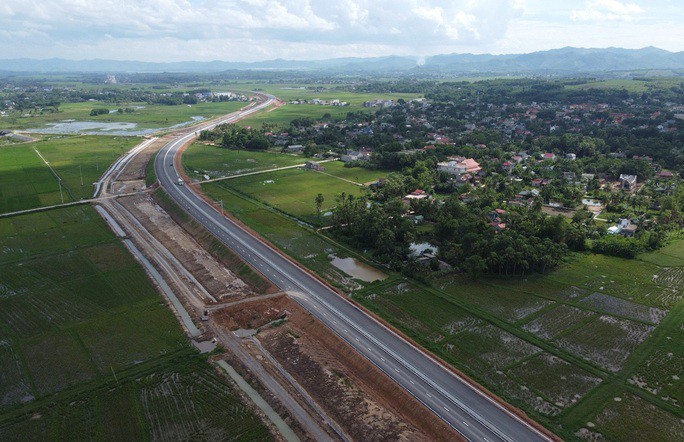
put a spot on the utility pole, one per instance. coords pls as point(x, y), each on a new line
point(80, 171)
point(61, 195)
point(221, 202)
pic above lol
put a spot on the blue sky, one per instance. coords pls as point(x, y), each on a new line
point(250, 30)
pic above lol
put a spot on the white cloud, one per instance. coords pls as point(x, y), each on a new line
point(173, 30)
point(607, 10)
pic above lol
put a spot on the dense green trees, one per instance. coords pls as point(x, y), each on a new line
point(235, 137)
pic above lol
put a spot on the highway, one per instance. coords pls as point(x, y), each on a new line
point(469, 411)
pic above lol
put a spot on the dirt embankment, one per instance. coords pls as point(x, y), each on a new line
point(136, 169)
point(219, 281)
point(361, 399)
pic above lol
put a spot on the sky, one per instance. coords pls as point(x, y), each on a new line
point(253, 30)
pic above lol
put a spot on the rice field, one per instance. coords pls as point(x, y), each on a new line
point(184, 401)
point(606, 341)
point(554, 321)
point(629, 417)
point(26, 182)
point(502, 302)
point(88, 348)
point(567, 385)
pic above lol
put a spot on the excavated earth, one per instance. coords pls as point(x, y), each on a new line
point(359, 397)
point(223, 284)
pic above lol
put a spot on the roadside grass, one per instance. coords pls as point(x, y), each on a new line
point(214, 246)
point(218, 162)
point(148, 117)
point(88, 348)
point(295, 239)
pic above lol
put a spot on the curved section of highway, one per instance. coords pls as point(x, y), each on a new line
point(473, 414)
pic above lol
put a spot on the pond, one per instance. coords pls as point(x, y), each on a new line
point(357, 269)
point(69, 127)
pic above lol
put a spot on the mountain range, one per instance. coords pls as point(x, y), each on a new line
point(567, 60)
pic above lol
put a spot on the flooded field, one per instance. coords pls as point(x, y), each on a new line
point(69, 127)
point(357, 269)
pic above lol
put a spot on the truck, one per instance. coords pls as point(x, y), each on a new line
point(180, 181)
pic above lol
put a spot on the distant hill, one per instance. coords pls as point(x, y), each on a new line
point(557, 61)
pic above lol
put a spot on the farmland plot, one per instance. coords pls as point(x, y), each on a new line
point(506, 304)
point(185, 405)
point(515, 390)
point(433, 317)
point(606, 341)
point(662, 373)
point(63, 366)
point(496, 346)
point(628, 417)
point(617, 306)
point(200, 159)
point(562, 383)
point(553, 322)
point(14, 387)
point(671, 277)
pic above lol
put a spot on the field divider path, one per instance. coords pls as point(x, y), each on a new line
point(59, 179)
point(257, 172)
point(340, 178)
point(73, 203)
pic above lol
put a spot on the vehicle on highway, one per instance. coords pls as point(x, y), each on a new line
point(180, 181)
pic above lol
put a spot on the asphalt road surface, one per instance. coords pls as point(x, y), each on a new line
point(469, 411)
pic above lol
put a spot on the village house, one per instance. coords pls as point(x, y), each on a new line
point(295, 148)
point(459, 166)
point(362, 155)
point(314, 166)
point(624, 227)
point(628, 182)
